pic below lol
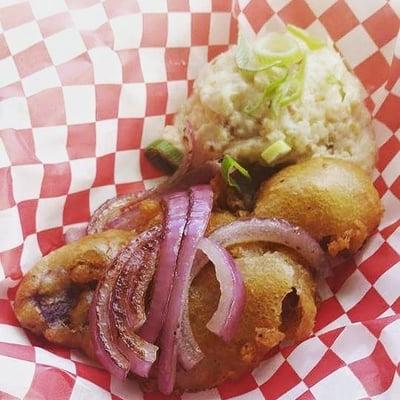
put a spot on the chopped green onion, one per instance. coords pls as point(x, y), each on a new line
point(228, 167)
point(164, 154)
point(312, 42)
point(278, 47)
point(275, 151)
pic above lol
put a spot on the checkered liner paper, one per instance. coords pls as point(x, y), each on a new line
point(85, 85)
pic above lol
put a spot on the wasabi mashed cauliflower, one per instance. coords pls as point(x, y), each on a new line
point(230, 113)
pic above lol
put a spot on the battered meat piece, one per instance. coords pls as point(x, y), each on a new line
point(334, 200)
point(54, 297)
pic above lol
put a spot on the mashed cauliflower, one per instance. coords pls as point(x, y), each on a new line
point(329, 119)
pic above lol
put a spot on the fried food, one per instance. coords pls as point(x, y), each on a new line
point(334, 200)
point(54, 297)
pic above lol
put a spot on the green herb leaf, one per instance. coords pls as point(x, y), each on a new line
point(228, 167)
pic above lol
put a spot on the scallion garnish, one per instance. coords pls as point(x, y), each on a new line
point(228, 167)
point(164, 154)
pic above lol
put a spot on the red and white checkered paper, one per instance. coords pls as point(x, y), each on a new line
point(85, 85)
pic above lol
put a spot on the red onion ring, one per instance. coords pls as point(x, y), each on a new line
point(176, 212)
point(199, 213)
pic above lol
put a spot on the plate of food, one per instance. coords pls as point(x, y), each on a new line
point(200, 200)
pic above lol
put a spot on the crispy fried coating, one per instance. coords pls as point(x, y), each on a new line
point(54, 297)
point(334, 200)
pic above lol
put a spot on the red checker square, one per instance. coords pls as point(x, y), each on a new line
point(129, 133)
point(387, 113)
point(47, 108)
point(376, 326)
point(81, 141)
point(382, 260)
point(18, 351)
point(380, 186)
point(297, 12)
point(213, 51)
point(76, 71)
point(369, 103)
point(328, 311)
point(221, 5)
point(76, 208)
point(7, 314)
point(179, 5)
point(342, 272)
point(190, 87)
point(233, 33)
point(155, 30)
point(98, 376)
point(306, 396)
point(149, 171)
point(200, 29)
point(169, 119)
point(283, 380)
point(107, 101)
point(396, 306)
point(157, 96)
point(339, 20)
point(103, 36)
point(237, 387)
point(56, 180)
point(395, 188)
point(4, 50)
point(6, 396)
point(116, 8)
point(388, 150)
point(159, 396)
point(50, 239)
point(382, 26)
point(131, 67)
point(104, 170)
point(125, 188)
point(176, 61)
point(388, 231)
point(50, 383)
point(32, 59)
point(13, 90)
point(27, 212)
point(373, 72)
point(330, 337)
point(6, 194)
point(55, 23)
point(394, 73)
point(15, 15)
point(258, 12)
point(10, 261)
point(375, 372)
point(329, 363)
point(369, 307)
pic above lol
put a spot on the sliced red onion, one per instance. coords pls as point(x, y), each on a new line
point(200, 210)
point(75, 233)
point(115, 345)
point(111, 213)
point(176, 212)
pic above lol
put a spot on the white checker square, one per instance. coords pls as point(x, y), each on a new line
point(396, 88)
point(27, 181)
point(14, 113)
point(305, 356)
point(126, 390)
point(83, 174)
point(177, 37)
point(388, 284)
point(267, 368)
point(152, 61)
point(383, 133)
point(353, 290)
point(394, 240)
point(320, 6)
point(152, 129)
point(127, 166)
point(89, 18)
point(295, 392)
point(80, 104)
point(106, 137)
point(392, 170)
point(127, 31)
point(41, 80)
point(354, 343)
point(153, 6)
point(13, 334)
point(99, 195)
point(197, 59)
point(10, 369)
point(277, 5)
point(42, 9)
point(44, 357)
point(343, 320)
point(4, 160)
point(378, 97)
point(391, 205)
point(65, 45)
point(177, 94)
point(388, 49)
point(8, 72)
point(371, 246)
point(30, 253)
point(106, 65)
point(51, 144)
point(340, 384)
point(390, 339)
point(49, 213)
point(10, 238)
point(274, 24)
point(365, 46)
point(132, 100)
point(364, 9)
point(219, 28)
point(84, 389)
point(23, 36)
point(200, 6)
